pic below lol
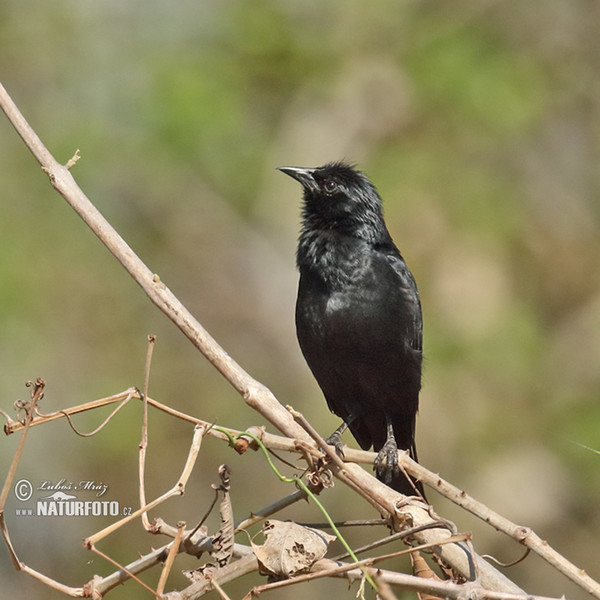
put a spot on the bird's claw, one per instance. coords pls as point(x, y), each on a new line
point(386, 461)
point(335, 440)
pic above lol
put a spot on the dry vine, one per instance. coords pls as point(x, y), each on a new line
point(427, 531)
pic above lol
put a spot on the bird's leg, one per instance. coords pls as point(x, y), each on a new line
point(386, 461)
point(335, 439)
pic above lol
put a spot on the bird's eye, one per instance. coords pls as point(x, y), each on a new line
point(330, 186)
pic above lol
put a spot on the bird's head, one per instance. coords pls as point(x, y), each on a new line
point(337, 196)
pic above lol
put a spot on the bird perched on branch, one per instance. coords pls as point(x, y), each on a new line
point(358, 315)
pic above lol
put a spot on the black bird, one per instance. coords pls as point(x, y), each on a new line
point(358, 315)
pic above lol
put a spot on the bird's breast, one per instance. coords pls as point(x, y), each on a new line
point(337, 302)
point(349, 310)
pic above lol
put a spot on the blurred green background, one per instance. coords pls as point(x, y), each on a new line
point(479, 122)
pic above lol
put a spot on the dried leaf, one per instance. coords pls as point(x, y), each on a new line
point(290, 548)
point(422, 569)
point(223, 541)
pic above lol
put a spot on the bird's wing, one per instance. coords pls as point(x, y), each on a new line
point(410, 293)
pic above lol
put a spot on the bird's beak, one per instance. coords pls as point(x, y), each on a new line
point(303, 175)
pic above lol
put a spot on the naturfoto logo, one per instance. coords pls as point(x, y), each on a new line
point(65, 501)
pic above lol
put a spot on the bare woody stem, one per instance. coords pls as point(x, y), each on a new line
point(253, 392)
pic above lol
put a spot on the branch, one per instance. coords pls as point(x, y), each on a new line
point(255, 394)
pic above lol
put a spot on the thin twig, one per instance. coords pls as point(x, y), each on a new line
point(191, 534)
point(509, 564)
point(144, 442)
point(149, 352)
point(14, 426)
point(101, 426)
point(52, 583)
point(218, 588)
point(400, 535)
point(104, 584)
point(73, 160)
point(36, 394)
point(99, 552)
point(267, 511)
point(348, 523)
point(173, 550)
point(315, 435)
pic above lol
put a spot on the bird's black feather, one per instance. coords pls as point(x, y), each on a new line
point(358, 313)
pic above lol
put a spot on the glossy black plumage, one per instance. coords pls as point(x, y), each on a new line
point(358, 314)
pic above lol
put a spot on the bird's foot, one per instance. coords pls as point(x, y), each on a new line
point(386, 461)
point(335, 440)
